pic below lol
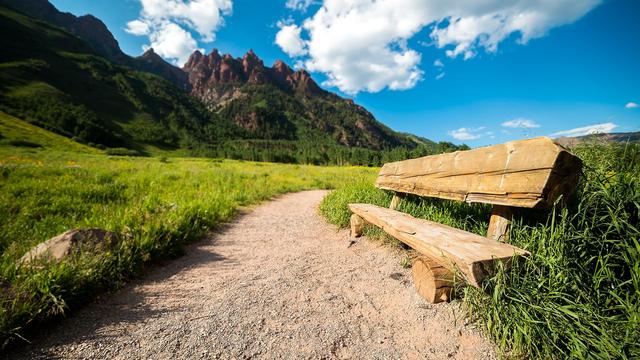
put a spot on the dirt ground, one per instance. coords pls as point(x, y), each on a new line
point(278, 282)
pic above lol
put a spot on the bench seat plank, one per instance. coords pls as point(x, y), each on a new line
point(473, 254)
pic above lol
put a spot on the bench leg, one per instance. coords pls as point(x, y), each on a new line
point(433, 281)
point(357, 224)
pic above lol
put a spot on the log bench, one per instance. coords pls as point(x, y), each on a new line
point(532, 173)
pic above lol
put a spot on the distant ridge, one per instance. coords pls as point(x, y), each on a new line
point(622, 137)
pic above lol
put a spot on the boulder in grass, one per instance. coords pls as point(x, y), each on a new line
point(71, 242)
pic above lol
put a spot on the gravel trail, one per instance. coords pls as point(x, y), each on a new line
point(277, 282)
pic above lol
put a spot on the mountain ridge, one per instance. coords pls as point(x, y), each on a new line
point(97, 35)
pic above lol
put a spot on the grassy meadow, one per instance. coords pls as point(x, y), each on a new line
point(49, 184)
point(578, 295)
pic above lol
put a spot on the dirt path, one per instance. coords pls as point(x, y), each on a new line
point(278, 282)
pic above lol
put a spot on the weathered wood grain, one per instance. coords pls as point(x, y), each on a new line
point(357, 225)
point(395, 200)
point(499, 223)
point(432, 281)
point(527, 173)
point(474, 255)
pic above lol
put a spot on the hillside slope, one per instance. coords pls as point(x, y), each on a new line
point(98, 36)
point(55, 80)
point(18, 133)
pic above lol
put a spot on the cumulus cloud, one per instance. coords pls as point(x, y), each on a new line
point(631, 105)
point(288, 38)
point(438, 63)
point(173, 42)
point(137, 27)
point(361, 45)
point(301, 5)
point(440, 76)
point(468, 133)
point(521, 123)
point(169, 24)
point(587, 130)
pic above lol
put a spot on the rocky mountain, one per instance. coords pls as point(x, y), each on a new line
point(153, 63)
point(206, 72)
point(87, 27)
point(96, 33)
point(258, 97)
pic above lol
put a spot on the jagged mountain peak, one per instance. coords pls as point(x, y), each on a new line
point(207, 71)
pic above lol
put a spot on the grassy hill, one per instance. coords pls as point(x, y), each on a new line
point(53, 79)
point(18, 133)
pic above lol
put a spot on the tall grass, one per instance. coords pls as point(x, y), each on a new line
point(578, 295)
point(156, 206)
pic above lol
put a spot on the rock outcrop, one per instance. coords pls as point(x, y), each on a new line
point(71, 242)
point(207, 71)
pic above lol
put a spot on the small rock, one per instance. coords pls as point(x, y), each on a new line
point(71, 242)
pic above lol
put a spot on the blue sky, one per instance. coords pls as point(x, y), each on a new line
point(572, 71)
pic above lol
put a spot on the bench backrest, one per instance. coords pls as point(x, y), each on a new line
point(530, 173)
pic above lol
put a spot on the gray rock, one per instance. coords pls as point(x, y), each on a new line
point(71, 242)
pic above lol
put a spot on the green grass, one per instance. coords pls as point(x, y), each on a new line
point(578, 295)
point(15, 130)
point(156, 205)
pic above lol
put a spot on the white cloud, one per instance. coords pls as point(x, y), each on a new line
point(301, 5)
point(521, 123)
point(587, 130)
point(631, 105)
point(440, 76)
point(468, 133)
point(137, 27)
point(362, 44)
point(288, 38)
point(169, 23)
point(438, 63)
point(173, 42)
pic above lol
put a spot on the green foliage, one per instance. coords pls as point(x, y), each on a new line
point(20, 143)
point(18, 131)
point(578, 295)
point(156, 206)
point(122, 152)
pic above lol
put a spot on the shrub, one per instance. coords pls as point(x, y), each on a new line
point(20, 143)
point(122, 152)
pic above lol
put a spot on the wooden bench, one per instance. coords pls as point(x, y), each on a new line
point(531, 173)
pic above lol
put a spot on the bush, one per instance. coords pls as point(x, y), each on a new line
point(122, 152)
point(20, 143)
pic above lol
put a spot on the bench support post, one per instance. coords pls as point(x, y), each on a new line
point(499, 223)
point(357, 224)
point(432, 281)
point(395, 201)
